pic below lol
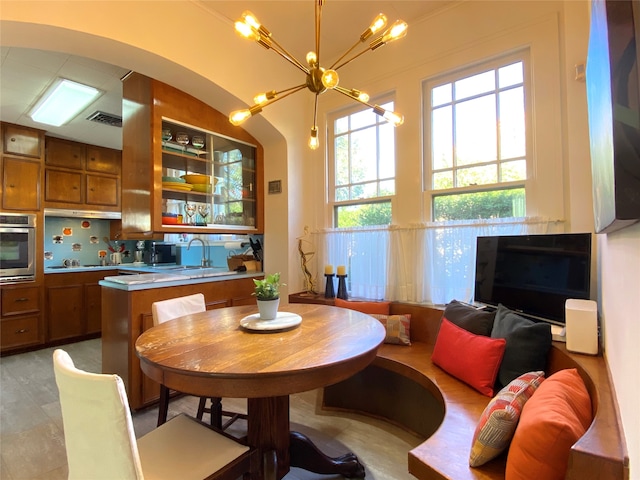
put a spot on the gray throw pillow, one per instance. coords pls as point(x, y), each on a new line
point(478, 322)
point(528, 344)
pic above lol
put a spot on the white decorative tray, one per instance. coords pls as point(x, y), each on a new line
point(282, 320)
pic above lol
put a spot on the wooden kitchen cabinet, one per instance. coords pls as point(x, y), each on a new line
point(81, 176)
point(20, 184)
point(126, 314)
point(20, 320)
point(230, 157)
point(21, 166)
point(63, 186)
point(64, 309)
point(101, 190)
point(64, 153)
point(22, 141)
point(73, 304)
point(103, 160)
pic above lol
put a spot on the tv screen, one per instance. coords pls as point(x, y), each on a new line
point(533, 274)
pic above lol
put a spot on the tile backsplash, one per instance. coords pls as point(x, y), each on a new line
point(79, 239)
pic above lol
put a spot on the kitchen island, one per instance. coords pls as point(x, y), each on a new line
point(126, 313)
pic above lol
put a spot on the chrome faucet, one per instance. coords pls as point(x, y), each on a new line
point(205, 247)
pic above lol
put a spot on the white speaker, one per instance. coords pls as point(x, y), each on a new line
point(581, 317)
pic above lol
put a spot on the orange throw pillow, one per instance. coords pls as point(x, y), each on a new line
point(474, 359)
point(555, 417)
point(380, 308)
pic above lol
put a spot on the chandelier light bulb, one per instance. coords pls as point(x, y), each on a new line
point(378, 24)
point(361, 96)
point(263, 98)
point(239, 116)
point(394, 118)
point(251, 20)
point(313, 139)
point(395, 32)
point(246, 31)
point(330, 79)
point(312, 59)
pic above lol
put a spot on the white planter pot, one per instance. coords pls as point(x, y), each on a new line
point(268, 308)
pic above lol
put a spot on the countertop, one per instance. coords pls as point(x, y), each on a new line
point(143, 277)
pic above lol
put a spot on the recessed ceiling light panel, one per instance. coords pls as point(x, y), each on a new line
point(63, 101)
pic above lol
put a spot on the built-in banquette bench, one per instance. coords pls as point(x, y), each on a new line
point(405, 388)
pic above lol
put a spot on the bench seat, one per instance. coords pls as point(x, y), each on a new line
point(404, 387)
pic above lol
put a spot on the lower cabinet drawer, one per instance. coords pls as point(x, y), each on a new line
point(18, 301)
point(15, 332)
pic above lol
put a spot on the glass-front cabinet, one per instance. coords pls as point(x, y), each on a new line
point(208, 180)
point(185, 168)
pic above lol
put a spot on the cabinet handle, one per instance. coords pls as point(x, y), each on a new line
point(13, 139)
point(11, 185)
point(22, 330)
point(75, 187)
point(22, 299)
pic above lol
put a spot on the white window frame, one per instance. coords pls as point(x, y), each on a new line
point(331, 164)
point(464, 72)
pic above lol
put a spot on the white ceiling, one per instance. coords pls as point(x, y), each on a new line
point(25, 73)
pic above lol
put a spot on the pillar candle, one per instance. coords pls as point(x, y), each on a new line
point(328, 269)
point(342, 270)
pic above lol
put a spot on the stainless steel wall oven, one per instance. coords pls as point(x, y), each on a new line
point(17, 247)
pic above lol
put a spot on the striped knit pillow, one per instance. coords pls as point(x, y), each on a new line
point(499, 420)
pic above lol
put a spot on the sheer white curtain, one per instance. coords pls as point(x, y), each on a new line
point(425, 263)
point(363, 251)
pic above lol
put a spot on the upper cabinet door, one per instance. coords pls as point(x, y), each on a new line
point(22, 141)
point(103, 160)
point(61, 153)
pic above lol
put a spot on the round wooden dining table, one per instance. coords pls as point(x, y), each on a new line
point(210, 354)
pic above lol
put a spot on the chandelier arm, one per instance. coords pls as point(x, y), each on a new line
point(332, 67)
point(318, 18)
point(347, 93)
point(290, 91)
point(352, 58)
point(280, 50)
point(315, 112)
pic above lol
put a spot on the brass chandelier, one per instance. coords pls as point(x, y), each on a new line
point(317, 79)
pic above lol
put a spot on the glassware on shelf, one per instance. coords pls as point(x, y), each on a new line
point(166, 134)
point(198, 142)
point(204, 210)
point(190, 210)
point(183, 139)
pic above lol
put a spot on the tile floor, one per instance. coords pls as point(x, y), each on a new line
point(32, 437)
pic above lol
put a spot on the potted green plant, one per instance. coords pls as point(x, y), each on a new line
point(267, 292)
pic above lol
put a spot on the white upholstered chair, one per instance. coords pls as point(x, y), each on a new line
point(101, 443)
point(173, 308)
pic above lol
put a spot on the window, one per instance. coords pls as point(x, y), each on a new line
point(362, 166)
point(476, 141)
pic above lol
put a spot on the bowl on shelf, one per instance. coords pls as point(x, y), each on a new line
point(196, 179)
point(169, 218)
point(178, 186)
point(173, 180)
point(202, 187)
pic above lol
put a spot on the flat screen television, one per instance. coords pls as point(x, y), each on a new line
point(533, 274)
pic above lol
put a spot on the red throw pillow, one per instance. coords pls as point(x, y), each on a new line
point(555, 417)
point(474, 359)
point(381, 308)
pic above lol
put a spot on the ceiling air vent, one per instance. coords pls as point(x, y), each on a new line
point(106, 118)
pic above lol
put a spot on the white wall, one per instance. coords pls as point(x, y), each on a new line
point(619, 280)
